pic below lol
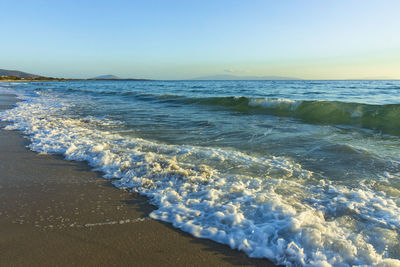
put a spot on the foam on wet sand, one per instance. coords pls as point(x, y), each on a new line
point(57, 212)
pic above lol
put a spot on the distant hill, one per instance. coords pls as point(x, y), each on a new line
point(17, 73)
point(233, 77)
point(116, 78)
point(20, 75)
point(106, 77)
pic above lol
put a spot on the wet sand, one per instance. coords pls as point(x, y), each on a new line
point(55, 212)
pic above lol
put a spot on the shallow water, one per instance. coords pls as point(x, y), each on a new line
point(299, 172)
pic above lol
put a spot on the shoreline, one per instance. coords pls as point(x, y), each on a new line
point(58, 212)
point(69, 80)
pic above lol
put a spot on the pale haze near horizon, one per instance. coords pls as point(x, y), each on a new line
point(185, 39)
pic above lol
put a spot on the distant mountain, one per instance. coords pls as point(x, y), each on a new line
point(106, 77)
point(17, 73)
point(233, 77)
point(113, 77)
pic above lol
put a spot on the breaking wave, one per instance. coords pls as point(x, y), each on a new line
point(383, 118)
point(269, 207)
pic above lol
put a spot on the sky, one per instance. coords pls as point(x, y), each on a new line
point(307, 39)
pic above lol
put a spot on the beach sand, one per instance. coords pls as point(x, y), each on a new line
point(55, 212)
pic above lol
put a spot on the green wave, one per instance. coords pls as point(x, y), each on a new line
point(383, 118)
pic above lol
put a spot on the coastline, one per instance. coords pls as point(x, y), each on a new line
point(67, 80)
point(58, 212)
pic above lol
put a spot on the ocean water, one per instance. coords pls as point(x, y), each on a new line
point(303, 173)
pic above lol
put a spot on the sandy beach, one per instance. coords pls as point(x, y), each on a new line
point(55, 212)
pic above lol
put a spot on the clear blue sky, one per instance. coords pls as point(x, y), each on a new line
point(310, 39)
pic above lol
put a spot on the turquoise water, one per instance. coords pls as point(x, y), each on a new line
point(299, 172)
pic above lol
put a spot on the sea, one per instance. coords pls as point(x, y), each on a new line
point(303, 173)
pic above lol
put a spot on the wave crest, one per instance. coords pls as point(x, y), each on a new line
point(382, 118)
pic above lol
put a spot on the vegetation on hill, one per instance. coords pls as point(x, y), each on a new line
point(15, 75)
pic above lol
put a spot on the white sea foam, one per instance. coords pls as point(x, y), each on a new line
point(275, 103)
point(269, 207)
point(5, 89)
